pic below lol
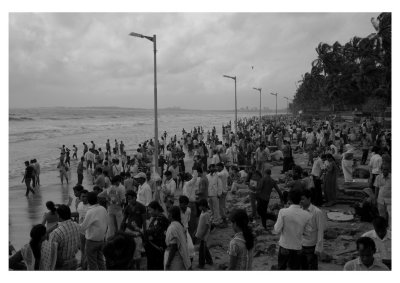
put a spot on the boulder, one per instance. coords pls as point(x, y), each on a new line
point(330, 234)
point(271, 250)
point(222, 266)
point(324, 257)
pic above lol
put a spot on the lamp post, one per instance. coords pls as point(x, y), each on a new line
point(276, 106)
point(259, 89)
point(287, 105)
point(153, 39)
point(234, 78)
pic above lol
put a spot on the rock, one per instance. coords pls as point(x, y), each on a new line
point(259, 230)
point(222, 266)
point(246, 199)
point(324, 257)
point(271, 251)
point(242, 192)
point(330, 234)
point(346, 238)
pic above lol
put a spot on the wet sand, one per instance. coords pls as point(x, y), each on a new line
point(25, 212)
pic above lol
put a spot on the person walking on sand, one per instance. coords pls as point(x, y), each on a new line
point(29, 171)
point(108, 147)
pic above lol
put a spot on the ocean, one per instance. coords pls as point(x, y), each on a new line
point(40, 132)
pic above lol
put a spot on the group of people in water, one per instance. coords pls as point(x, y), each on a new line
point(132, 211)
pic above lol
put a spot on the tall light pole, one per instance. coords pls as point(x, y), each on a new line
point(259, 89)
point(234, 78)
point(276, 106)
point(287, 105)
point(153, 39)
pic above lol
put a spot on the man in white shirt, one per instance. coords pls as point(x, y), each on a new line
point(190, 187)
point(375, 164)
point(223, 176)
point(366, 260)
point(144, 195)
point(169, 188)
point(313, 238)
point(82, 209)
point(214, 192)
point(89, 157)
point(95, 227)
point(383, 240)
point(383, 194)
point(291, 224)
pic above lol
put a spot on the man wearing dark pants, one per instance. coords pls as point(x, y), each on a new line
point(316, 172)
point(314, 234)
point(95, 228)
point(80, 171)
point(291, 224)
point(28, 178)
point(263, 194)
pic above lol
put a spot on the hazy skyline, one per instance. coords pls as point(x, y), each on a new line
point(88, 59)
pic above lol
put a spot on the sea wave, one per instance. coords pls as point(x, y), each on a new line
point(19, 118)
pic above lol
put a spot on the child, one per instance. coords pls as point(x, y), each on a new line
point(203, 231)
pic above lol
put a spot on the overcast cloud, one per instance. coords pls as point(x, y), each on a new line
point(88, 59)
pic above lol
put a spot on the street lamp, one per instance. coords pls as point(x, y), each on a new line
point(276, 106)
point(153, 39)
point(234, 78)
point(259, 89)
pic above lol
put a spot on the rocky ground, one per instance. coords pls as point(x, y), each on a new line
point(339, 240)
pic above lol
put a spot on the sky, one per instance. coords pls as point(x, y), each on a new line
point(89, 59)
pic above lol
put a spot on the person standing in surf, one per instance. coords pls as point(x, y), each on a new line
point(28, 178)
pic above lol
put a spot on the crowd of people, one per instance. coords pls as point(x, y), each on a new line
point(132, 212)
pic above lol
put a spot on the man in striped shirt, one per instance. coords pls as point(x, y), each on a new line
point(66, 235)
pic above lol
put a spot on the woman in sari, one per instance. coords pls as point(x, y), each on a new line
point(39, 254)
point(330, 181)
point(347, 163)
point(176, 256)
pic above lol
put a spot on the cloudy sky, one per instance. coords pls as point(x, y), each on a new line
point(88, 59)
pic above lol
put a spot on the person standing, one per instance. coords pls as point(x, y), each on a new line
point(144, 193)
point(313, 238)
point(374, 165)
point(134, 223)
point(176, 255)
point(330, 181)
point(263, 193)
point(155, 237)
point(79, 170)
point(95, 227)
point(75, 150)
point(214, 192)
point(115, 196)
point(190, 187)
point(291, 225)
point(82, 209)
point(66, 235)
point(29, 171)
point(383, 194)
point(316, 173)
point(223, 176)
point(202, 234)
point(108, 147)
point(242, 244)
